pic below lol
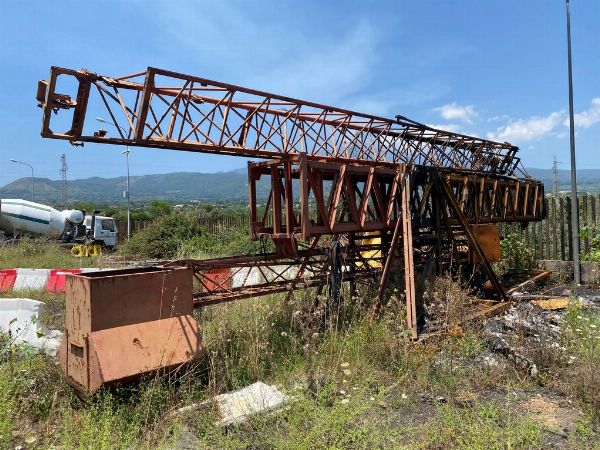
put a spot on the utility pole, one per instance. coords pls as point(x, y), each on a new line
point(574, 202)
point(555, 177)
point(126, 153)
point(32, 177)
point(63, 177)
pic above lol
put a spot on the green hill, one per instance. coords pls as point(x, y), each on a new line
point(208, 187)
point(175, 187)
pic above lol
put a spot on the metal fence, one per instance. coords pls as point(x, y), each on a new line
point(551, 238)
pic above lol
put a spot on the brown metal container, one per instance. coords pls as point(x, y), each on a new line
point(488, 236)
point(121, 324)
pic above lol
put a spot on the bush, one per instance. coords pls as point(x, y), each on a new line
point(180, 236)
point(516, 254)
point(593, 233)
point(163, 237)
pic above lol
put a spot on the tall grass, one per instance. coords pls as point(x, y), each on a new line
point(353, 381)
point(40, 253)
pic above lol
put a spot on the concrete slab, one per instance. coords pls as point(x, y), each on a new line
point(19, 317)
point(236, 406)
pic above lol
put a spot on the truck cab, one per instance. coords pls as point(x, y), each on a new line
point(101, 229)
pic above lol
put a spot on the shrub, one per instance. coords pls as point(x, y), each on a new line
point(179, 235)
point(516, 254)
point(593, 233)
point(163, 237)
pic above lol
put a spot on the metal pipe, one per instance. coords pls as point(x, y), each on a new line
point(574, 202)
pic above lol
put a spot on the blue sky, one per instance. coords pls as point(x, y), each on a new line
point(493, 68)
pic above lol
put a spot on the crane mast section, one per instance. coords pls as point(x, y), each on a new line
point(168, 110)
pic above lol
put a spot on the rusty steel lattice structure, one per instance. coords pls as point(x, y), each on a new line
point(163, 109)
point(368, 183)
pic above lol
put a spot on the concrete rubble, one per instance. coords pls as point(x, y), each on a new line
point(237, 406)
point(527, 325)
point(20, 320)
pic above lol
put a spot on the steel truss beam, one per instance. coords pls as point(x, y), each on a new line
point(227, 279)
point(311, 198)
point(163, 109)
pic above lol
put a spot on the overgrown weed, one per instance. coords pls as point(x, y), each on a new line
point(581, 337)
point(40, 252)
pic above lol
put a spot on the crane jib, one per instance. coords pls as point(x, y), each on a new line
point(169, 110)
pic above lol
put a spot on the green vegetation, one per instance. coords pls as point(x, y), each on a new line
point(181, 235)
point(516, 254)
point(593, 234)
point(352, 381)
point(40, 253)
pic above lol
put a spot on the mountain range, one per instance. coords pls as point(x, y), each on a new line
point(182, 187)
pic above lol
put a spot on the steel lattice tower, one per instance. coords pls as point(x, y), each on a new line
point(63, 185)
point(555, 177)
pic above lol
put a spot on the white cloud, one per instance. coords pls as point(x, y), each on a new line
point(524, 130)
point(500, 118)
point(589, 117)
point(454, 111)
point(561, 134)
point(453, 127)
point(234, 42)
point(326, 72)
point(392, 101)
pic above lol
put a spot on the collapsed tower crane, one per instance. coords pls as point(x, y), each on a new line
point(365, 182)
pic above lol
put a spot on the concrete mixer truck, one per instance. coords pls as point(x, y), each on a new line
point(21, 217)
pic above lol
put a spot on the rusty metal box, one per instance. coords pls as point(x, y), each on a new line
point(121, 324)
point(488, 236)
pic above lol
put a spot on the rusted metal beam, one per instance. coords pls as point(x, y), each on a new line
point(473, 242)
point(328, 192)
point(184, 112)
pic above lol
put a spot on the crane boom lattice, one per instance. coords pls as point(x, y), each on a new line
point(163, 109)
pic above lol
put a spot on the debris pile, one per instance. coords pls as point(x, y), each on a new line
point(530, 331)
point(237, 406)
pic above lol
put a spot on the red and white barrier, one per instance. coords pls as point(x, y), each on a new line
point(31, 279)
point(7, 279)
point(54, 280)
point(49, 280)
point(57, 279)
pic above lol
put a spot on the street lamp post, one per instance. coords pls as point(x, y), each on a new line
point(574, 201)
point(126, 153)
point(32, 178)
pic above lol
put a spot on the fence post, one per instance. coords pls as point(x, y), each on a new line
point(584, 212)
point(593, 221)
point(562, 229)
point(547, 236)
point(569, 229)
point(540, 240)
point(554, 230)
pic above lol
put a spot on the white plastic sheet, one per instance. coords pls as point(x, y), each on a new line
point(20, 319)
